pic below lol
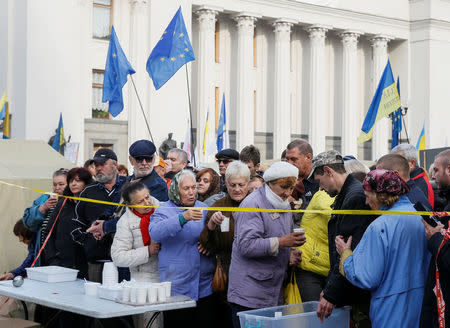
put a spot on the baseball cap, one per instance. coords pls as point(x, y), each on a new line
point(103, 154)
point(326, 158)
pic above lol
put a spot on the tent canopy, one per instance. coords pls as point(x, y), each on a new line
point(29, 159)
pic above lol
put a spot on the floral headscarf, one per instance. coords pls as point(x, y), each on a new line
point(385, 181)
point(174, 191)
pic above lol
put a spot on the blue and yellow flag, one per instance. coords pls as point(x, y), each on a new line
point(385, 101)
point(4, 115)
point(117, 69)
point(172, 51)
point(221, 127)
point(59, 137)
point(205, 133)
point(396, 120)
point(421, 141)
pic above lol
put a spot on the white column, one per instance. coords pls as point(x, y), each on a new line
point(137, 56)
point(205, 88)
point(282, 104)
point(317, 105)
point(380, 135)
point(244, 105)
point(350, 110)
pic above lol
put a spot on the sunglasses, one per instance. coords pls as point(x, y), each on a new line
point(224, 161)
point(140, 159)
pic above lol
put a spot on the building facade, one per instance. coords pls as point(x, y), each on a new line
point(286, 68)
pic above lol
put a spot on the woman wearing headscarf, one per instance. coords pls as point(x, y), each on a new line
point(218, 242)
point(208, 183)
point(262, 243)
point(391, 260)
point(178, 230)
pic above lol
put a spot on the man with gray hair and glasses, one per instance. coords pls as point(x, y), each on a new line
point(416, 173)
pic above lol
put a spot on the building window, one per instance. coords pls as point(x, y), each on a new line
point(101, 19)
point(99, 108)
point(254, 47)
point(217, 43)
point(217, 107)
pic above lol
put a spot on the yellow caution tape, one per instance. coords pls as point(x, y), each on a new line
point(239, 209)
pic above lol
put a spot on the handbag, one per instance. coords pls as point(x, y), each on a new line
point(291, 292)
point(219, 282)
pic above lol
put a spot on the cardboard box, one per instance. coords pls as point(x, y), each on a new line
point(17, 323)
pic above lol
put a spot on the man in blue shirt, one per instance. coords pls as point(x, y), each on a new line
point(142, 157)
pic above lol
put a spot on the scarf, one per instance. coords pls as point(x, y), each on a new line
point(145, 222)
point(276, 200)
point(174, 191)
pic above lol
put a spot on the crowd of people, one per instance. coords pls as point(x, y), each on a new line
point(384, 266)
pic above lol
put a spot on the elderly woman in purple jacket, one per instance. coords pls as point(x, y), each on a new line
point(262, 243)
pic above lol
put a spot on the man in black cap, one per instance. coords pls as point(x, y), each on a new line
point(95, 223)
point(224, 158)
point(142, 157)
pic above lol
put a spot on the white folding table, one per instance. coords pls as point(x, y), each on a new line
point(69, 296)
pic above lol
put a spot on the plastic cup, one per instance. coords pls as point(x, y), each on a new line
point(168, 286)
point(225, 225)
point(126, 293)
point(141, 295)
point(90, 288)
point(152, 294)
point(299, 230)
point(133, 294)
point(162, 293)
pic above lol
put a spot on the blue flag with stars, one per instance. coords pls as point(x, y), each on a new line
point(117, 69)
point(396, 121)
point(221, 128)
point(172, 51)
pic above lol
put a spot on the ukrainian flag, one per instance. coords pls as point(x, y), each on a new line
point(59, 137)
point(4, 115)
point(421, 141)
point(205, 134)
point(385, 101)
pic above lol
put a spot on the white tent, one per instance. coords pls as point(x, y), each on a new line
point(28, 163)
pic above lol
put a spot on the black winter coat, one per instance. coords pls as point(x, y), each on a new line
point(338, 290)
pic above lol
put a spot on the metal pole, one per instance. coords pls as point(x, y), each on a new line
point(142, 108)
point(190, 115)
point(404, 125)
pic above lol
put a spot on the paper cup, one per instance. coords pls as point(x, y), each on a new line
point(90, 288)
point(162, 293)
point(126, 293)
point(299, 230)
point(225, 226)
point(152, 294)
point(141, 295)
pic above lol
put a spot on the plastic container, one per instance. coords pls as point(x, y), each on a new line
point(294, 316)
point(52, 274)
point(90, 288)
point(110, 292)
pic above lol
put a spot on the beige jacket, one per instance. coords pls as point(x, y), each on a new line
point(128, 249)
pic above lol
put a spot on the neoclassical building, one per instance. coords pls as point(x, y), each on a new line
point(286, 68)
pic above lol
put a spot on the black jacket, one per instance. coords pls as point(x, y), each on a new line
point(421, 181)
point(61, 250)
point(86, 213)
point(429, 315)
point(338, 290)
point(416, 195)
point(155, 184)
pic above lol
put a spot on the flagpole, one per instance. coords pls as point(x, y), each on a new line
point(404, 124)
point(190, 115)
point(142, 108)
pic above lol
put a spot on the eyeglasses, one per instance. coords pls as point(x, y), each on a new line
point(140, 159)
point(224, 161)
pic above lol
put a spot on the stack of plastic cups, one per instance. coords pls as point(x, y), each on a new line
point(110, 274)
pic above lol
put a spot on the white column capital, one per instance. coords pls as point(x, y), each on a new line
point(246, 21)
point(136, 3)
point(349, 38)
point(281, 26)
point(380, 41)
point(207, 18)
point(317, 32)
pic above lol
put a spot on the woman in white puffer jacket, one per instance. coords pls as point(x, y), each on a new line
point(132, 246)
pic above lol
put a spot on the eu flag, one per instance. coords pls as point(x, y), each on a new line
point(396, 121)
point(117, 69)
point(385, 101)
point(221, 127)
point(59, 137)
point(172, 51)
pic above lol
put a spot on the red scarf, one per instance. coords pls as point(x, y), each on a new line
point(145, 222)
